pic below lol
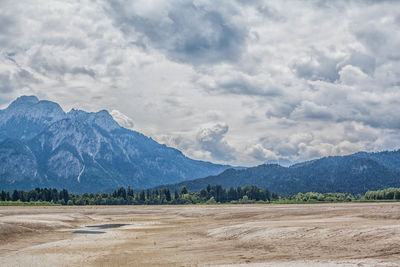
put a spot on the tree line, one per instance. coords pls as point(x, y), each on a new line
point(37, 194)
point(127, 196)
point(385, 194)
point(209, 195)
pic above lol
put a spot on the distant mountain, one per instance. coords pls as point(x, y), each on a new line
point(42, 146)
point(354, 174)
point(390, 159)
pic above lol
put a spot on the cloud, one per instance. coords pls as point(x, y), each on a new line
point(270, 13)
point(317, 67)
point(5, 83)
point(208, 143)
point(351, 75)
point(291, 82)
point(122, 119)
point(19, 78)
point(260, 153)
point(195, 32)
point(9, 27)
point(312, 111)
point(212, 140)
point(83, 70)
point(48, 63)
point(238, 83)
point(367, 63)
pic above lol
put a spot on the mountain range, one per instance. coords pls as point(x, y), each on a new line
point(43, 146)
point(356, 173)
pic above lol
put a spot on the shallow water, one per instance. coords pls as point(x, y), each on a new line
point(87, 232)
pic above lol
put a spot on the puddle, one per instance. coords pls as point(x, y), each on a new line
point(87, 232)
point(107, 226)
point(138, 225)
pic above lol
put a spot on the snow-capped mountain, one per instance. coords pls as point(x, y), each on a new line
point(43, 146)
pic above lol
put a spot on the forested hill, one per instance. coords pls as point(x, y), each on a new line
point(353, 174)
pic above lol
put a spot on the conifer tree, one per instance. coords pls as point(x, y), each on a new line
point(142, 196)
point(184, 190)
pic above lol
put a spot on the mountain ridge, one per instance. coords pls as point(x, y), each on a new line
point(355, 173)
point(43, 146)
point(84, 151)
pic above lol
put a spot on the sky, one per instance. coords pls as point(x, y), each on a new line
point(242, 82)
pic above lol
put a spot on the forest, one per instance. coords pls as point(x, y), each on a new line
point(209, 195)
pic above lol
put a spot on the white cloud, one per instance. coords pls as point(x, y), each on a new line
point(212, 139)
point(351, 75)
point(122, 119)
point(291, 82)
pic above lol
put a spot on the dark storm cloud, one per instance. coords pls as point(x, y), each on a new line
point(189, 32)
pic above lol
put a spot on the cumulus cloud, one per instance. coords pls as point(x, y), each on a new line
point(262, 154)
point(122, 119)
point(292, 83)
point(209, 143)
point(317, 67)
point(311, 111)
point(351, 75)
point(212, 140)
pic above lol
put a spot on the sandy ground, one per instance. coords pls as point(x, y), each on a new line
point(357, 234)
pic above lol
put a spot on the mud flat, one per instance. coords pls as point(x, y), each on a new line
point(356, 234)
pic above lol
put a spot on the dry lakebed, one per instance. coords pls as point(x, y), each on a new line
point(347, 234)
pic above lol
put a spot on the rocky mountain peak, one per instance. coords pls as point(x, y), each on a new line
point(102, 118)
point(84, 151)
point(32, 107)
point(24, 100)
